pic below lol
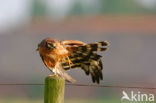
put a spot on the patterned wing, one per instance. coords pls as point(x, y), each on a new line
point(85, 56)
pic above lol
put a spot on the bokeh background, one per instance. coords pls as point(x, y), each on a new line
point(129, 26)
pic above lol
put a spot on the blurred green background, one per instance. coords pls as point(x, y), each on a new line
point(129, 26)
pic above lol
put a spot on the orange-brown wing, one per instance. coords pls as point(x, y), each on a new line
point(71, 45)
point(72, 42)
point(85, 56)
point(47, 62)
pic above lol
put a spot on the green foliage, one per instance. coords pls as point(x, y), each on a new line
point(77, 8)
point(20, 100)
point(120, 6)
point(109, 6)
point(39, 8)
